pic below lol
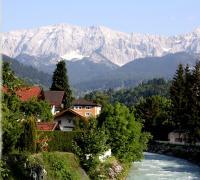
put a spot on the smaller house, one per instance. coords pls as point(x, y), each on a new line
point(55, 99)
point(178, 136)
point(68, 119)
point(47, 126)
point(86, 108)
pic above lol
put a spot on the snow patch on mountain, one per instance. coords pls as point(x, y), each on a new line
point(73, 55)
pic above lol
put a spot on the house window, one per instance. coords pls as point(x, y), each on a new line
point(88, 107)
point(77, 107)
point(87, 114)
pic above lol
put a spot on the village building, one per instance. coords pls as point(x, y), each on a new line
point(179, 137)
point(68, 120)
point(86, 108)
point(64, 119)
point(55, 99)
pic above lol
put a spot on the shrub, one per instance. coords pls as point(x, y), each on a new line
point(89, 146)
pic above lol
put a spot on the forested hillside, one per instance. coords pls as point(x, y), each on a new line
point(28, 73)
point(131, 96)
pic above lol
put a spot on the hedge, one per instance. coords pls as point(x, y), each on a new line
point(58, 140)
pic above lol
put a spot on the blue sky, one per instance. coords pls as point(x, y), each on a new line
point(166, 17)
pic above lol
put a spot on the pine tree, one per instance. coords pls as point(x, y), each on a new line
point(187, 96)
point(60, 83)
point(195, 105)
point(177, 97)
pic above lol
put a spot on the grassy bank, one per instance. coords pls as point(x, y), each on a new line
point(60, 165)
point(46, 165)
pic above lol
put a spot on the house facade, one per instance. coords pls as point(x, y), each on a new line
point(86, 108)
point(68, 119)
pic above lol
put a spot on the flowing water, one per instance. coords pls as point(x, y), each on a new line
point(161, 167)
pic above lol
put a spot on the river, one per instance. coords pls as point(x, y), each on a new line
point(161, 167)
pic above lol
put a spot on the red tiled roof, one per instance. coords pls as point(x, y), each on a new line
point(46, 126)
point(26, 93)
point(54, 97)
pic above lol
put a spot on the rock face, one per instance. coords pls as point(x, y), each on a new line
point(46, 45)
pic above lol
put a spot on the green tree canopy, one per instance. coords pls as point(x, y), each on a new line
point(155, 114)
point(11, 129)
point(39, 109)
point(185, 97)
point(194, 120)
point(177, 97)
point(131, 96)
point(9, 79)
point(125, 136)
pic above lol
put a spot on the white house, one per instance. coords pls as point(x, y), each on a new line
point(68, 119)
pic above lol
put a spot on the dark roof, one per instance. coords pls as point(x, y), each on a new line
point(69, 111)
point(83, 102)
point(54, 97)
point(46, 126)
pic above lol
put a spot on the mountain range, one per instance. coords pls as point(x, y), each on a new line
point(43, 47)
point(98, 57)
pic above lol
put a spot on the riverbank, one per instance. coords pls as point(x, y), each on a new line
point(188, 152)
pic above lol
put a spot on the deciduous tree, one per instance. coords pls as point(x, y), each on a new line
point(125, 136)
